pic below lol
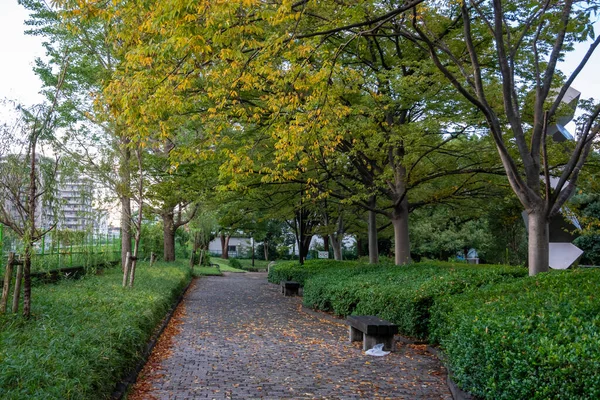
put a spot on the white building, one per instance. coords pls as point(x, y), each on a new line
point(238, 247)
point(75, 205)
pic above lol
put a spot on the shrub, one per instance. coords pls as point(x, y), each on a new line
point(293, 271)
point(533, 338)
point(235, 263)
point(84, 335)
point(400, 294)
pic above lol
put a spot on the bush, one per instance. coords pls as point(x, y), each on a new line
point(235, 263)
point(293, 271)
point(84, 335)
point(533, 338)
point(400, 294)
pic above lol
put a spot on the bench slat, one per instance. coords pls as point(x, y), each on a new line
point(371, 325)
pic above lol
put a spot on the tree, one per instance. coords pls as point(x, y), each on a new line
point(95, 138)
point(26, 192)
point(172, 193)
point(502, 57)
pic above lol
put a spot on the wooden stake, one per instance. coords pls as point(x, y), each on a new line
point(7, 278)
point(132, 271)
point(192, 259)
point(126, 269)
point(17, 293)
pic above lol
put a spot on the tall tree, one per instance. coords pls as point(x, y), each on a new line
point(503, 58)
point(94, 138)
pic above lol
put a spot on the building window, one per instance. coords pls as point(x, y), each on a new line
point(231, 248)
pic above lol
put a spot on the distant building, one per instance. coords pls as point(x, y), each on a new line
point(75, 205)
point(238, 247)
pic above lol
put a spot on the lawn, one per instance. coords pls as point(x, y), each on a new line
point(224, 265)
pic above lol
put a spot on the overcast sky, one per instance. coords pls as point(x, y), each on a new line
point(17, 53)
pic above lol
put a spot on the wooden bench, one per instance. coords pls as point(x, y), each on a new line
point(289, 288)
point(372, 330)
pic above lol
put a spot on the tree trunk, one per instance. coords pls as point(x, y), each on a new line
point(125, 182)
point(125, 229)
point(138, 224)
point(337, 247)
point(266, 250)
point(168, 236)
point(373, 247)
point(27, 281)
point(32, 231)
point(306, 239)
point(7, 279)
point(17, 290)
point(538, 243)
point(359, 246)
point(401, 238)
point(326, 243)
point(225, 246)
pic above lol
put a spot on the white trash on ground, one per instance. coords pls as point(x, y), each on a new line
point(377, 350)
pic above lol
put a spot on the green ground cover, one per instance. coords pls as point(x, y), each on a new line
point(224, 265)
point(84, 334)
point(246, 264)
point(504, 335)
point(207, 271)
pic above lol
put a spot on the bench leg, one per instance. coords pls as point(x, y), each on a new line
point(291, 292)
point(370, 341)
point(354, 334)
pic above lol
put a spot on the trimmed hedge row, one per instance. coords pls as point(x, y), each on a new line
point(505, 335)
point(401, 294)
point(535, 338)
point(84, 335)
point(293, 271)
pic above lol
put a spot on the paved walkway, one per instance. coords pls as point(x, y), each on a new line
point(242, 339)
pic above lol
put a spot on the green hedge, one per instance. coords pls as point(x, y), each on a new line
point(504, 335)
point(535, 338)
point(84, 335)
point(400, 294)
point(293, 271)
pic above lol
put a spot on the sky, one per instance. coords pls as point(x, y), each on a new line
point(18, 52)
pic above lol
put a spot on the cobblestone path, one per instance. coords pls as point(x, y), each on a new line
point(242, 339)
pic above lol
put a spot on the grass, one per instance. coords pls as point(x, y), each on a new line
point(258, 264)
point(206, 271)
point(224, 265)
point(84, 335)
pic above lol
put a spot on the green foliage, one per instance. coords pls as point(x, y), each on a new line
point(224, 265)
point(234, 263)
point(293, 271)
point(590, 244)
point(587, 209)
point(84, 335)
point(152, 239)
point(259, 265)
point(533, 338)
point(401, 294)
point(207, 271)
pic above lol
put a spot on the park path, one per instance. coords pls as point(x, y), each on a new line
point(240, 338)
